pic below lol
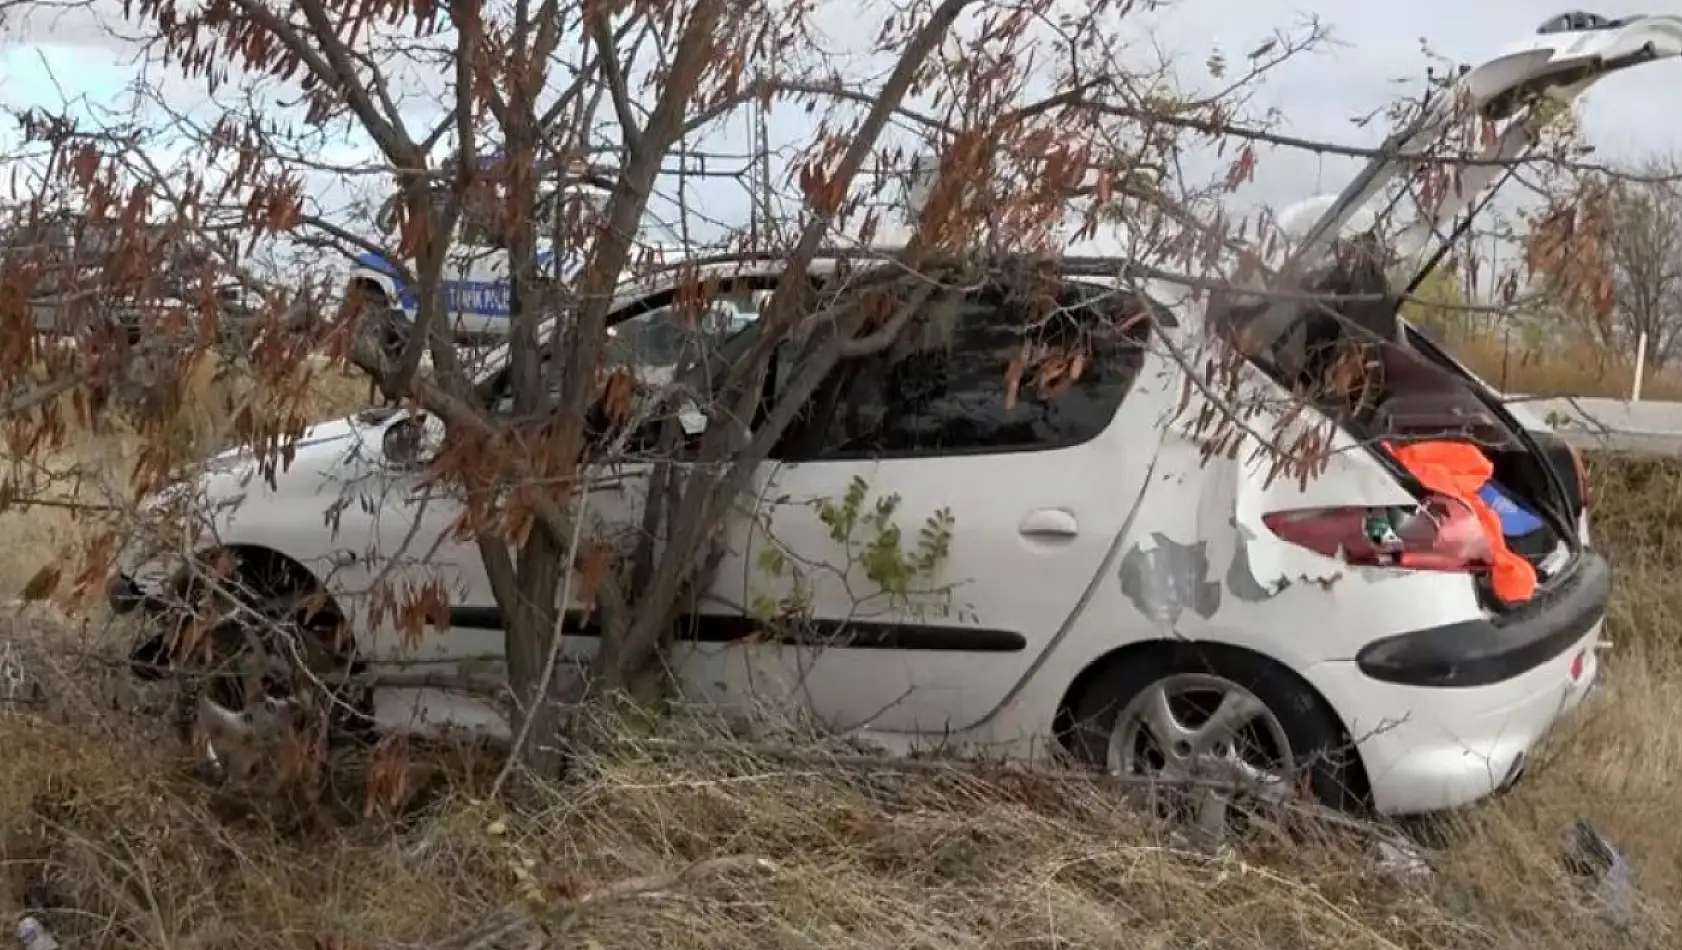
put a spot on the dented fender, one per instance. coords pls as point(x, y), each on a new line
point(1213, 571)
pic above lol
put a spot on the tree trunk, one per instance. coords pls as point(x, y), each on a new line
point(531, 644)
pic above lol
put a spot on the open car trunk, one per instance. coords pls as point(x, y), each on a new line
point(1429, 398)
point(1561, 457)
point(1358, 365)
point(1357, 361)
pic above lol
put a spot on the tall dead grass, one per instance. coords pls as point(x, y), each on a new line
point(712, 844)
point(62, 496)
point(713, 849)
point(1579, 370)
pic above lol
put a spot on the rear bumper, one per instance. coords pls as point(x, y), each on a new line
point(1488, 651)
point(1430, 748)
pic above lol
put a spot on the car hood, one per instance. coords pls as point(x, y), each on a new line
point(353, 440)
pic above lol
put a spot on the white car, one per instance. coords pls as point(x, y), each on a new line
point(1114, 593)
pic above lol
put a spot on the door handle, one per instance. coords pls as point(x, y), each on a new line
point(1049, 523)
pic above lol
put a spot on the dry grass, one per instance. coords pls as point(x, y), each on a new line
point(92, 464)
point(722, 847)
point(1564, 371)
point(725, 849)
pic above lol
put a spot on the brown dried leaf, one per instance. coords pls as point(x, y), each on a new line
point(42, 585)
point(1077, 366)
point(84, 166)
point(619, 396)
point(594, 565)
point(388, 777)
point(1013, 377)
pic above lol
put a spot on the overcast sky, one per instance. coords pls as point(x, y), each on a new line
point(1375, 56)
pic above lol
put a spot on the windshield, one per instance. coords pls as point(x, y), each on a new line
point(661, 337)
point(484, 216)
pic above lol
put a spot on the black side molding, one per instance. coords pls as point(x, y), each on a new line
point(846, 634)
point(1482, 652)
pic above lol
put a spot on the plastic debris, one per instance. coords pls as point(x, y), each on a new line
point(1590, 856)
point(1401, 862)
point(34, 935)
point(1381, 531)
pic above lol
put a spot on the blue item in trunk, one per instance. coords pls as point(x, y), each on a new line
point(1516, 520)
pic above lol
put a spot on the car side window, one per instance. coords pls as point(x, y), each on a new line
point(661, 337)
point(991, 371)
point(657, 339)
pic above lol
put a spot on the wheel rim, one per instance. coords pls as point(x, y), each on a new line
point(1195, 727)
point(247, 673)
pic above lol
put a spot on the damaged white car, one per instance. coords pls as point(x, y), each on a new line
point(1369, 634)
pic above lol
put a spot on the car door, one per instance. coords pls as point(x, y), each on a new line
point(934, 524)
point(420, 568)
point(650, 335)
point(416, 570)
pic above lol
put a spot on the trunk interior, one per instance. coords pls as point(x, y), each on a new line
point(1364, 366)
point(1426, 395)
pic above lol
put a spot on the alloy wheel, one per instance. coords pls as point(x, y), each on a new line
point(1191, 728)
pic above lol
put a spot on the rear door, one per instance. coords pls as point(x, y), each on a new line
point(935, 522)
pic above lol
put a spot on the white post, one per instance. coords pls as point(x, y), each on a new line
point(1640, 365)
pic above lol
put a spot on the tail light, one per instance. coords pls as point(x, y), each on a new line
point(1440, 534)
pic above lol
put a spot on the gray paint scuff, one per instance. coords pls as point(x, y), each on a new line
point(1169, 579)
point(1241, 577)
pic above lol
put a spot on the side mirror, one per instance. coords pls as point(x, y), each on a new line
point(413, 441)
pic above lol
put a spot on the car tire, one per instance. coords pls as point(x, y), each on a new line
point(1326, 762)
point(255, 652)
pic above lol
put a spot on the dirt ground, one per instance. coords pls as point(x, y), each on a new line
point(705, 842)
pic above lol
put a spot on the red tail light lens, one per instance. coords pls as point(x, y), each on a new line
point(1441, 534)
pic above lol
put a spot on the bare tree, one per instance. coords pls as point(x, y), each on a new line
point(549, 88)
point(1613, 245)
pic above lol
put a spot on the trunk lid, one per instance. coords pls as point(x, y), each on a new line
point(1517, 90)
point(1424, 393)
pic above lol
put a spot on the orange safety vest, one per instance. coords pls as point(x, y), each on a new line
point(1459, 470)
